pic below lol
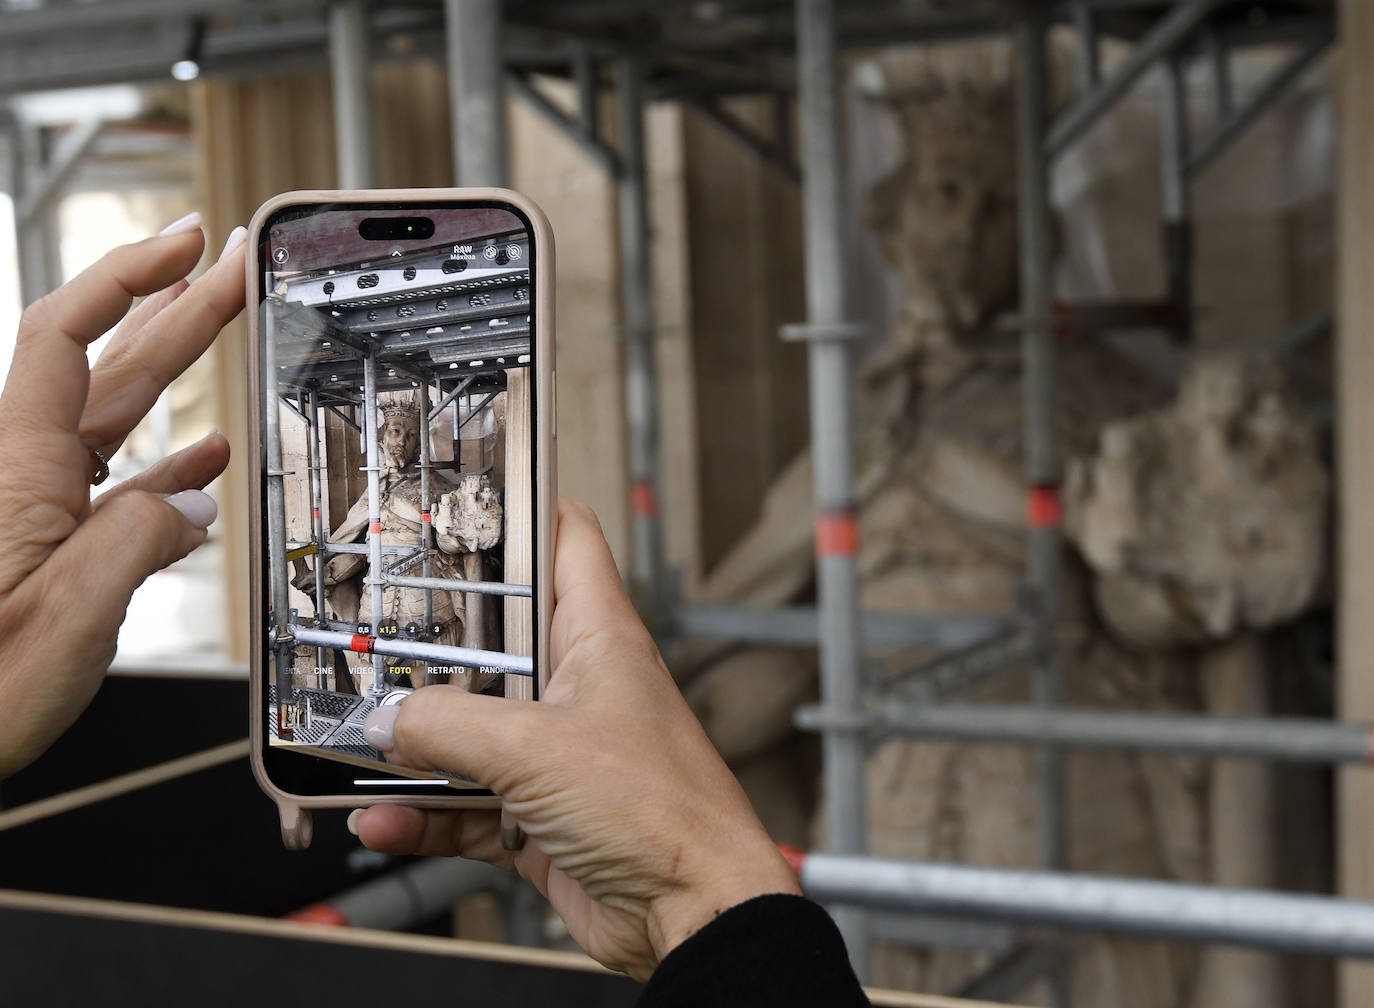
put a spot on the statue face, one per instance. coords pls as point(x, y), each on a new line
point(399, 442)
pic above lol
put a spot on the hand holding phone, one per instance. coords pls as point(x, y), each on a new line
point(402, 357)
point(638, 832)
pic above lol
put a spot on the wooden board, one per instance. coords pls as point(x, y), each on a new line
point(1355, 462)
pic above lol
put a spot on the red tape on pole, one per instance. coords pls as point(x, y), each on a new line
point(837, 534)
point(1062, 321)
point(320, 913)
point(794, 857)
point(642, 499)
point(424, 517)
point(1043, 509)
point(361, 643)
point(375, 528)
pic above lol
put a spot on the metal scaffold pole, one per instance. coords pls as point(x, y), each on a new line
point(378, 688)
point(636, 291)
point(426, 513)
point(1041, 459)
point(476, 91)
point(830, 355)
point(1282, 739)
point(348, 66)
point(283, 645)
point(400, 647)
point(1313, 925)
point(314, 434)
point(1174, 191)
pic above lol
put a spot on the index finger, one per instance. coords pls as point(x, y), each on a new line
point(139, 364)
point(48, 380)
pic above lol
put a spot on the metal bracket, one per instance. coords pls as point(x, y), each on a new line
point(806, 332)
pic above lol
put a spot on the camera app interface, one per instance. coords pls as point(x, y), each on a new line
point(398, 434)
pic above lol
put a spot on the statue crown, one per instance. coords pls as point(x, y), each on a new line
point(407, 408)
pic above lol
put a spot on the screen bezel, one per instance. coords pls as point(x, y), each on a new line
point(304, 773)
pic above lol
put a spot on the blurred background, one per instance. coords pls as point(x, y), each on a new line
point(967, 394)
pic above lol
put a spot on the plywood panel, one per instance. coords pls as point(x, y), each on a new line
point(745, 262)
point(256, 138)
point(579, 199)
point(1355, 460)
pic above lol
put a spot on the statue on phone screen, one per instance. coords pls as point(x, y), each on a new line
point(467, 519)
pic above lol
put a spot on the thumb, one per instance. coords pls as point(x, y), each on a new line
point(130, 536)
point(485, 738)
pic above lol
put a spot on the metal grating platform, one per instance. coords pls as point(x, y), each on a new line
point(336, 720)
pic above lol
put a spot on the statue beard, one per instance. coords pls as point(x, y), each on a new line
point(395, 459)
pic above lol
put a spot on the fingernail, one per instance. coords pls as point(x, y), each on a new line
point(353, 820)
point(199, 507)
point(236, 238)
point(378, 728)
point(180, 226)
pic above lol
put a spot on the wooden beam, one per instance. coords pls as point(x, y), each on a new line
point(1355, 462)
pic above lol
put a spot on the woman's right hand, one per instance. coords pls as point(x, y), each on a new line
point(638, 833)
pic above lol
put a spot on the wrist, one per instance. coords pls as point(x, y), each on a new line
point(712, 888)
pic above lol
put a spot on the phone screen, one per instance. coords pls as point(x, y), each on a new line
point(396, 369)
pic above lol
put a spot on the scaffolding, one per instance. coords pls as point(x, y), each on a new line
point(647, 53)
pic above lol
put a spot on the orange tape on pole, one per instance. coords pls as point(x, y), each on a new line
point(361, 643)
point(837, 534)
point(320, 913)
point(1062, 320)
point(1043, 509)
point(375, 528)
point(794, 856)
point(642, 499)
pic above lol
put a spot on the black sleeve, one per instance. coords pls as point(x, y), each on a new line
point(769, 952)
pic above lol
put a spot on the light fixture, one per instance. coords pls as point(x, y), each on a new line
point(188, 67)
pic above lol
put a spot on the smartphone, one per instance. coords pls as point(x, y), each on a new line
point(402, 408)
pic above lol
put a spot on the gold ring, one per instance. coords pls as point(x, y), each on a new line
point(102, 472)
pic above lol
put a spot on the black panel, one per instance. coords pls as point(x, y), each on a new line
point(59, 959)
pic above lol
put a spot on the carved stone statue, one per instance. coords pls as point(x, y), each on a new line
point(1205, 518)
point(941, 501)
point(1204, 523)
point(467, 521)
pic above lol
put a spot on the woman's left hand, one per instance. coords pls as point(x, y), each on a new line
point(70, 564)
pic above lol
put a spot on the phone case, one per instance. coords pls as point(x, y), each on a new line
point(296, 824)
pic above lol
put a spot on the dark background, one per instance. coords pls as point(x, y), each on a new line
point(208, 841)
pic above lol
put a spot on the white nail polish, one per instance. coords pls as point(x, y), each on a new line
point(353, 818)
point(188, 223)
point(199, 507)
point(236, 238)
